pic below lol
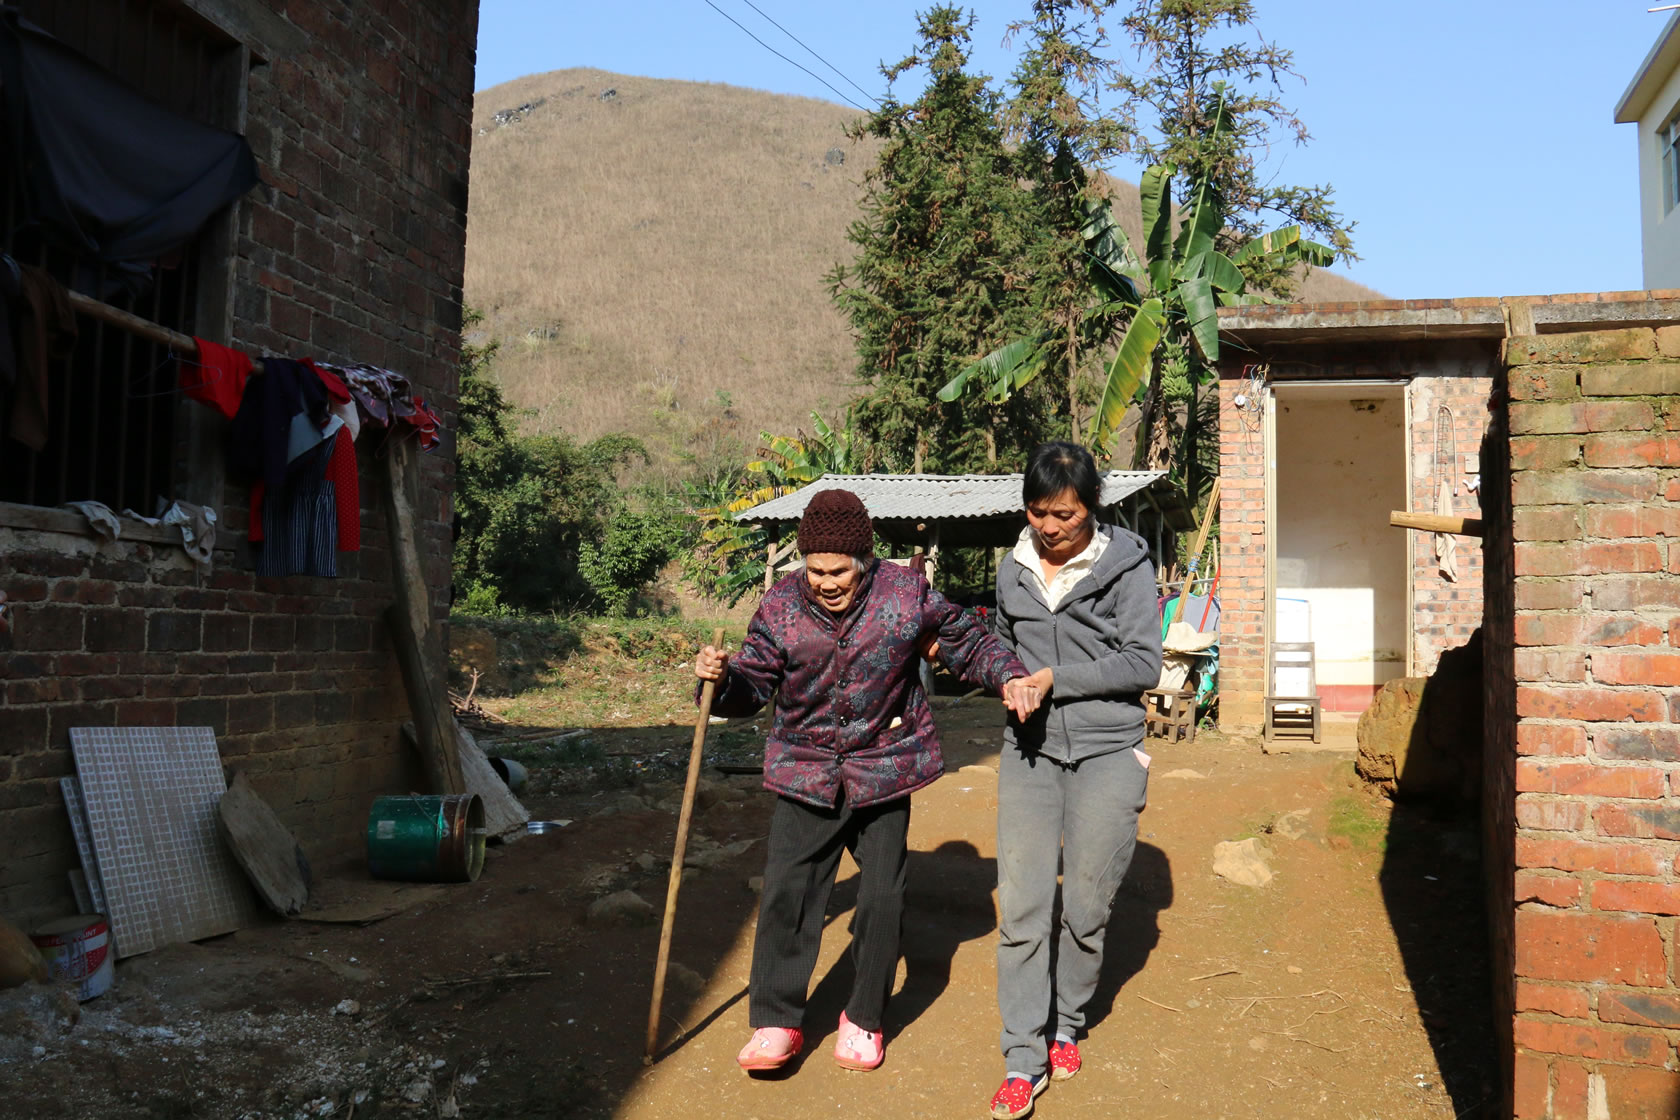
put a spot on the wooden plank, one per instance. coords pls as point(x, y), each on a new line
point(1196, 554)
point(264, 847)
point(46, 519)
point(416, 640)
point(504, 816)
point(1436, 523)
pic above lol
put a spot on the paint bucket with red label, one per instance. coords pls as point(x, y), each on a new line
point(78, 949)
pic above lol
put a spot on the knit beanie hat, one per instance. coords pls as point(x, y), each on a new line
point(835, 521)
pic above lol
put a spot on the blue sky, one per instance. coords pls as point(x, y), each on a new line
point(1472, 140)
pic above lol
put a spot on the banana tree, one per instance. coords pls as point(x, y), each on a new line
point(728, 557)
point(1174, 289)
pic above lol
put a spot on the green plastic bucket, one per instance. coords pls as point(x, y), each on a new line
point(426, 839)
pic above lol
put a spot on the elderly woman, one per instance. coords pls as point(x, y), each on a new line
point(853, 737)
point(1077, 602)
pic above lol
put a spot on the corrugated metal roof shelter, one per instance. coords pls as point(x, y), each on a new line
point(974, 510)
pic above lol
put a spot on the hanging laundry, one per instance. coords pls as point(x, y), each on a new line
point(296, 412)
point(387, 399)
point(43, 329)
point(219, 381)
point(300, 520)
point(260, 434)
point(107, 172)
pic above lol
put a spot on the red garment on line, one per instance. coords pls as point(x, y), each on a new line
point(347, 494)
point(221, 383)
point(336, 389)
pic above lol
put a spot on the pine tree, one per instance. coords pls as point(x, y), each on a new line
point(1062, 132)
point(1193, 62)
point(940, 275)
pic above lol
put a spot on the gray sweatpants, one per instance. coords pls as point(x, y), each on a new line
point(1086, 816)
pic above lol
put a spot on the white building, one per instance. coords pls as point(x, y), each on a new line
point(1652, 102)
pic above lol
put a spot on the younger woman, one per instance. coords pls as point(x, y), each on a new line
point(1077, 603)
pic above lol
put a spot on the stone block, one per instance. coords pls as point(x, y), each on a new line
point(1421, 737)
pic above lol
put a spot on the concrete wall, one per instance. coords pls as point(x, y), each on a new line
point(1659, 231)
point(1594, 493)
point(1341, 467)
point(352, 250)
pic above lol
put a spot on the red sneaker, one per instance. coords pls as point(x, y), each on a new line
point(770, 1048)
point(1014, 1099)
point(1064, 1060)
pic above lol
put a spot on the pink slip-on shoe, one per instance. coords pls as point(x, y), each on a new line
point(857, 1048)
point(1014, 1099)
point(770, 1048)
point(1064, 1059)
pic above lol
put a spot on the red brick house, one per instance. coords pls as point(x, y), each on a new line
point(349, 251)
point(1347, 412)
point(1577, 399)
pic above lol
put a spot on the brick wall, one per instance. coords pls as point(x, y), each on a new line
point(1499, 729)
point(352, 250)
point(1242, 558)
point(1594, 485)
point(1445, 613)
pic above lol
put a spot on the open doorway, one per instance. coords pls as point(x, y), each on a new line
point(1340, 572)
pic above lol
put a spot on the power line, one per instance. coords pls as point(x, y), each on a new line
point(811, 52)
point(783, 57)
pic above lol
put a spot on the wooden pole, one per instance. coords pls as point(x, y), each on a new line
point(143, 328)
point(412, 632)
point(1196, 554)
point(1436, 523)
point(695, 754)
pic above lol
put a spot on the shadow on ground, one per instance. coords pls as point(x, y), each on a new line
point(1432, 883)
point(1134, 929)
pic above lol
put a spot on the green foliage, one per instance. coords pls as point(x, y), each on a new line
point(944, 249)
point(1061, 132)
point(632, 548)
point(528, 506)
point(1172, 292)
point(727, 560)
point(1210, 100)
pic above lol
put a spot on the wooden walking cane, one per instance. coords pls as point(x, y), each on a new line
point(694, 756)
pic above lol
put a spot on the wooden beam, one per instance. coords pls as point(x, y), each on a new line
point(1208, 515)
point(416, 639)
point(1436, 523)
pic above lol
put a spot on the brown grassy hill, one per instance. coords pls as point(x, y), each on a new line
point(639, 254)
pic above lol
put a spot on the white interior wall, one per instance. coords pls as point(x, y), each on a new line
point(1341, 467)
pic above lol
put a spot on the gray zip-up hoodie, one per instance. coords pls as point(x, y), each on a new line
point(1103, 643)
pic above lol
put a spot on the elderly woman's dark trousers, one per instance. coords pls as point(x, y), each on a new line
point(805, 845)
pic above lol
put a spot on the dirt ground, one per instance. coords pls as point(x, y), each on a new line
point(1351, 986)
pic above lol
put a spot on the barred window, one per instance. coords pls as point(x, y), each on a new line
point(117, 430)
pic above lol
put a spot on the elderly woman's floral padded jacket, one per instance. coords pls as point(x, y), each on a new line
point(851, 711)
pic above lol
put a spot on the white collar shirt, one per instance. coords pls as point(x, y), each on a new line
point(1055, 590)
